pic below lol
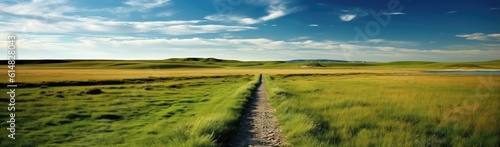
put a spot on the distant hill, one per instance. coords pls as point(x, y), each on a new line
point(179, 63)
point(316, 60)
point(201, 60)
point(51, 61)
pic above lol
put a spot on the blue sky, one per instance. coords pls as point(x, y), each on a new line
point(377, 30)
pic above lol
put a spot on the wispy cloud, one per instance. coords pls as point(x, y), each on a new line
point(351, 14)
point(275, 9)
point(300, 38)
point(147, 4)
point(38, 8)
point(134, 6)
point(392, 42)
point(87, 25)
point(480, 36)
point(376, 40)
point(313, 25)
point(201, 29)
point(119, 47)
point(55, 19)
point(165, 14)
point(394, 13)
point(347, 17)
point(451, 12)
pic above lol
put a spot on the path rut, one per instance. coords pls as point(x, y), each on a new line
point(258, 127)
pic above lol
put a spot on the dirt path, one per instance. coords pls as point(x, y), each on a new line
point(258, 125)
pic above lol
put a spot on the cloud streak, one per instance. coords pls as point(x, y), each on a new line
point(347, 17)
point(160, 48)
point(275, 10)
point(451, 12)
point(135, 6)
point(146, 4)
point(51, 17)
point(165, 14)
point(480, 36)
point(394, 13)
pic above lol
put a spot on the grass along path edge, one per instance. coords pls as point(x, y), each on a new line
point(258, 124)
point(215, 128)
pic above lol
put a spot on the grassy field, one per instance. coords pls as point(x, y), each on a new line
point(210, 63)
point(387, 110)
point(162, 64)
point(197, 101)
point(179, 112)
point(50, 75)
point(82, 70)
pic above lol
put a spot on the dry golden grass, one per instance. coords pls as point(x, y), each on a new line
point(39, 75)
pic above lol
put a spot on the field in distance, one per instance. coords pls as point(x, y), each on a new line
point(197, 102)
point(82, 70)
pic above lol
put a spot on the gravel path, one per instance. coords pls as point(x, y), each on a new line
point(258, 125)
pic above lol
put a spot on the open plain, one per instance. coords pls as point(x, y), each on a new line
point(201, 102)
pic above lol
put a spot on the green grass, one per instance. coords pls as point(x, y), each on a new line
point(186, 63)
point(190, 112)
point(385, 110)
point(83, 70)
point(353, 104)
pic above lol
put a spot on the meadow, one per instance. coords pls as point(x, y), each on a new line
point(176, 112)
point(198, 101)
point(387, 109)
point(36, 71)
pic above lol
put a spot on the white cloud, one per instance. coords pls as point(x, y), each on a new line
point(313, 25)
point(497, 36)
point(300, 38)
point(165, 14)
point(275, 9)
point(394, 13)
point(392, 42)
point(51, 17)
point(146, 4)
point(86, 25)
point(385, 48)
point(134, 6)
point(347, 17)
point(228, 36)
point(451, 12)
point(201, 29)
point(376, 40)
point(232, 18)
point(351, 14)
point(38, 8)
point(480, 36)
point(126, 47)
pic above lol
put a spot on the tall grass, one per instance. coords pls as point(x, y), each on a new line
point(371, 110)
point(214, 127)
point(190, 112)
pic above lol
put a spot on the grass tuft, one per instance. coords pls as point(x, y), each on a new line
point(94, 91)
